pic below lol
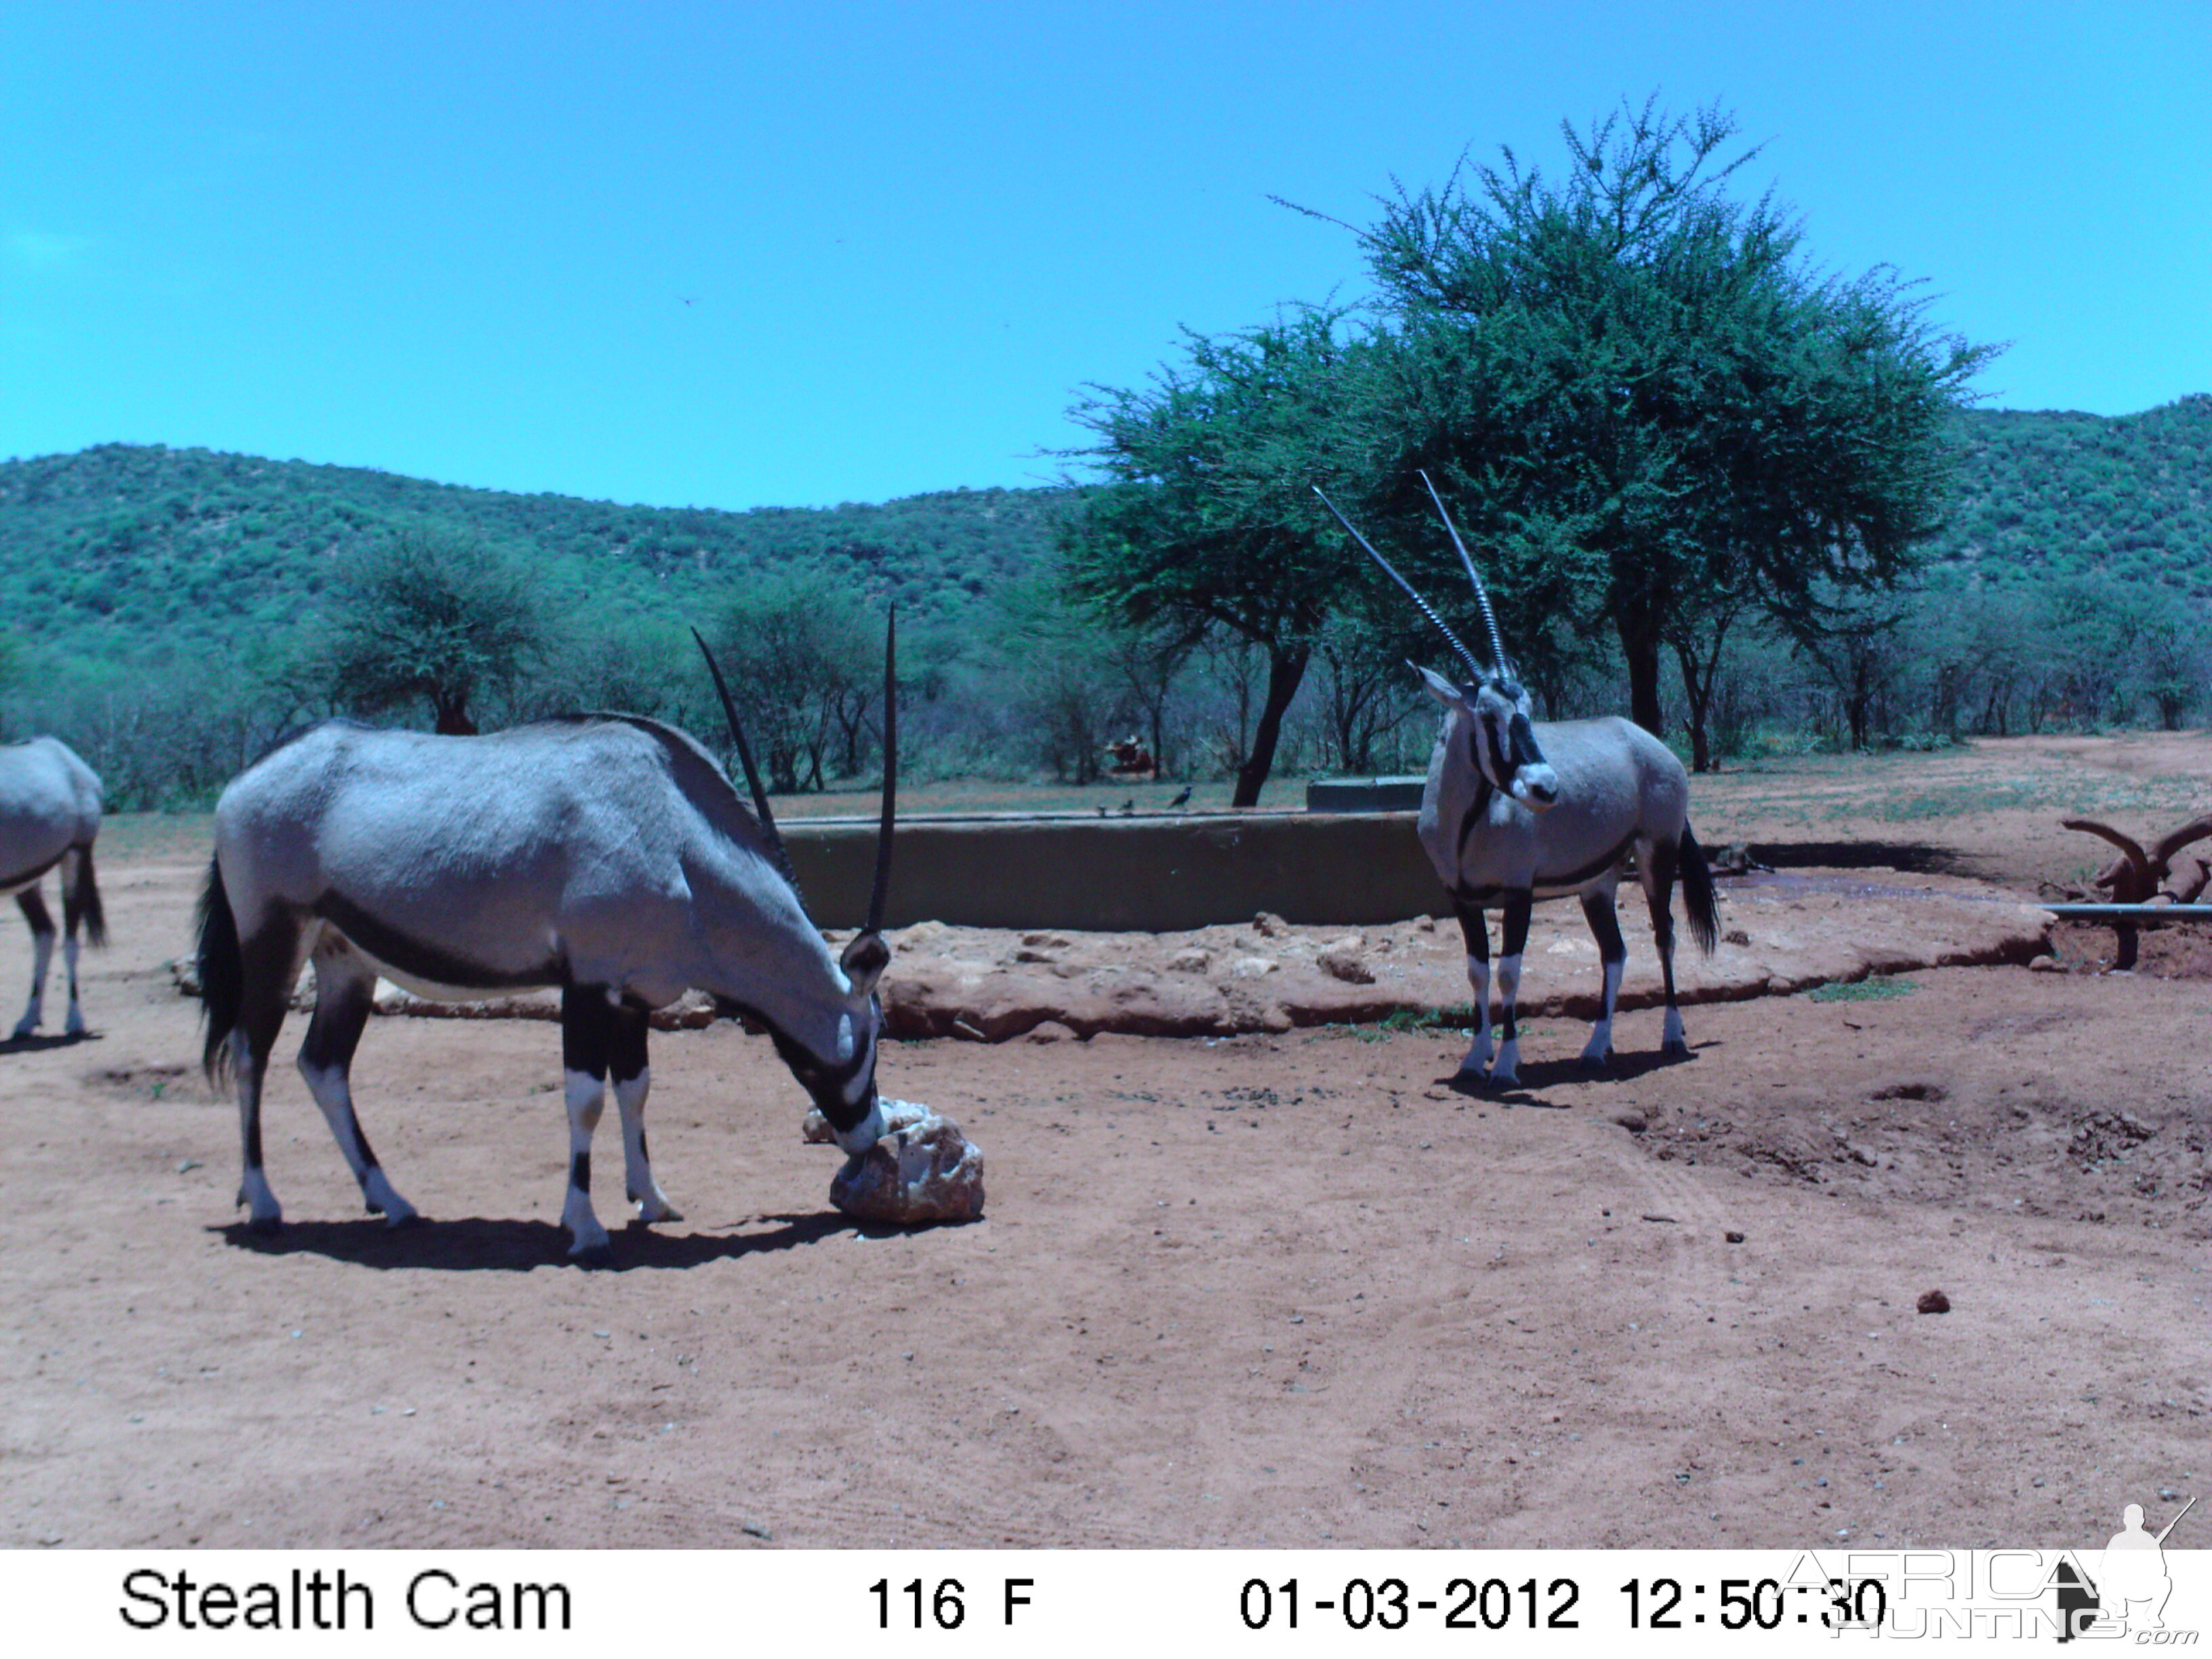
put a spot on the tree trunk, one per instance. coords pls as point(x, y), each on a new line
point(1698, 693)
point(1286, 667)
point(1642, 650)
point(452, 714)
point(1701, 679)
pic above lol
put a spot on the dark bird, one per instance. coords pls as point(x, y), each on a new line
point(1129, 806)
point(1183, 799)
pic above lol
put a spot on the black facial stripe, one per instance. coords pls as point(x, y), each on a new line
point(426, 962)
point(1525, 751)
point(823, 1080)
point(1501, 769)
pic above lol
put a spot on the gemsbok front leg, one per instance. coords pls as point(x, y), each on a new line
point(626, 1064)
point(345, 986)
point(1513, 942)
point(1475, 928)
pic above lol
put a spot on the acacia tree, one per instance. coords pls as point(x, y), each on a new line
point(805, 664)
point(1206, 522)
point(430, 617)
point(1642, 403)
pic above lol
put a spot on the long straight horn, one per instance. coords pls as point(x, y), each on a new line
point(883, 887)
point(1465, 655)
point(746, 757)
point(1490, 621)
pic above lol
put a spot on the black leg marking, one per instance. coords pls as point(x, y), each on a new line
point(1474, 927)
point(42, 945)
point(1605, 927)
point(35, 910)
point(345, 987)
point(627, 1028)
point(1518, 903)
point(1659, 890)
point(589, 1023)
point(268, 961)
point(585, 1035)
point(1612, 954)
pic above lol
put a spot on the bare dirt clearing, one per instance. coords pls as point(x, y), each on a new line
point(1284, 1287)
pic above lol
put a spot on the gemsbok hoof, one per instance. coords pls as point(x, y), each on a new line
point(593, 1255)
point(264, 1226)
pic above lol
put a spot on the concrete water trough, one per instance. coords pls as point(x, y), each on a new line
point(1155, 873)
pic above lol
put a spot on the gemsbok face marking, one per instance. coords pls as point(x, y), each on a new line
point(607, 855)
point(49, 817)
point(1517, 810)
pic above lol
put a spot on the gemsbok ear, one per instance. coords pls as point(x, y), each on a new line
point(1440, 688)
point(864, 962)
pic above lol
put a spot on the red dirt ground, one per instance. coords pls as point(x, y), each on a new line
point(1283, 1288)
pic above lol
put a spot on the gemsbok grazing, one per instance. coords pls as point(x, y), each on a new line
point(604, 854)
point(1516, 812)
point(49, 816)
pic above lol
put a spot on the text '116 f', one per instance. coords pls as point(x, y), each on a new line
point(941, 1606)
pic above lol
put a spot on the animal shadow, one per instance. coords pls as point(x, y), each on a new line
point(1537, 1075)
point(481, 1244)
point(1914, 857)
point(39, 1040)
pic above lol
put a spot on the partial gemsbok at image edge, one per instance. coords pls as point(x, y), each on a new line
point(605, 855)
point(1515, 811)
point(49, 817)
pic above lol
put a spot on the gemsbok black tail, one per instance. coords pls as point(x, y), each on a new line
point(222, 973)
point(1697, 897)
point(81, 896)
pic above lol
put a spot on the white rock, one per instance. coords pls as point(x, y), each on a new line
point(923, 1169)
point(897, 1115)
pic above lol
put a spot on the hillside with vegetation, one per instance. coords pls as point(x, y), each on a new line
point(170, 608)
point(142, 556)
point(2049, 493)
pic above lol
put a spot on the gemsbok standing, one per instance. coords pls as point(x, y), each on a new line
point(1516, 812)
point(49, 817)
point(604, 854)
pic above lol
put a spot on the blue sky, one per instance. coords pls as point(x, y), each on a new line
point(767, 254)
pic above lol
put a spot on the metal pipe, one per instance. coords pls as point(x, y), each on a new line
point(2131, 912)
